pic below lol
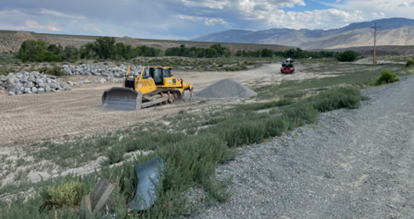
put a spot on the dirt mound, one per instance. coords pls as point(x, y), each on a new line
point(128, 41)
point(226, 89)
point(23, 36)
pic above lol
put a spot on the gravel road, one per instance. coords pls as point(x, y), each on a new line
point(352, 164)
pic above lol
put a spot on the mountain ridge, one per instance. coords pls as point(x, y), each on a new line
point(303, 38)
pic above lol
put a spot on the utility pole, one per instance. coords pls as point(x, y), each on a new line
point(374, 60)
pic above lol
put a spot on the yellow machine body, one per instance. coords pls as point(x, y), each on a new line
point(154, 85)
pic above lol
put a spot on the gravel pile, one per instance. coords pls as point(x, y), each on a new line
point(26, 83)
point(351, 164)
point(100, 70)
point(226, 89)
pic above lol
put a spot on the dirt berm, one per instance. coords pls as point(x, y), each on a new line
point(352, 164)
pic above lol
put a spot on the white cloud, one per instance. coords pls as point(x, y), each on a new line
point(59, 14)
point(207, 21)
point(32, 24)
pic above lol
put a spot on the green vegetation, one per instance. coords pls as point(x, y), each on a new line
point(55, 70)
point(190, 159)
point(348, 56)
point(102, 48)
point(291, 53)
point(106, 48)
point(213, 51)
point(386, 78)
point(409, 63)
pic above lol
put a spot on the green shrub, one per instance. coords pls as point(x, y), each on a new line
point(65, 194)
point(387, 77)
point(298, 116)
point(56, 71)
point(245, 133)
point(265, 105)
point(348, 56)
point(409, 63)
point(276, 126)
point(336, 99)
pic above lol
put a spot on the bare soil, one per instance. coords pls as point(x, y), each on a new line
point(37, 117)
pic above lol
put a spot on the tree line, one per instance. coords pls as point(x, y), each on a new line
point(107, 48)
point(213, 51)
point(102, 48)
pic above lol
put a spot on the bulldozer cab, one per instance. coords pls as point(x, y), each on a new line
point(159, 73)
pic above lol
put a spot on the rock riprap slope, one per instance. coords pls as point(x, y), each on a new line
point(34, 82)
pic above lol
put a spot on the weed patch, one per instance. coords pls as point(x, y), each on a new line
point(386, 78)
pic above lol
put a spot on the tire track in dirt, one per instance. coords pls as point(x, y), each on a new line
point(31, 118)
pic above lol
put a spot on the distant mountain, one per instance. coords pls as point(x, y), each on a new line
point(355, 34)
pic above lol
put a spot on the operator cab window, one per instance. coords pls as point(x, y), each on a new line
point(167, 73)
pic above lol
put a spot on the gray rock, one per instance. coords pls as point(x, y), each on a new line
point(3, 78)
point(11, 80)
point(102, 80)
point(32, 78)
point(70, 82)
point(51, 76)
point(11, 93)
point(80, 82)
point(68, 71)
point(24, 79)
point(34, 90)
point(27, 90)
point(28, 84)
point(19, 76)
point(47, 89)
point(40, 90)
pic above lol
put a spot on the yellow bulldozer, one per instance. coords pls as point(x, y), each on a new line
point(153, 85)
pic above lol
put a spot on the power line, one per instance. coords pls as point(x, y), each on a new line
point(374, 60)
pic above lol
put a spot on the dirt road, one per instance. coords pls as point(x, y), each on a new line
point(30, 118)
point(352, 164)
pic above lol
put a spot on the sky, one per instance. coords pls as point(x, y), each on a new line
point(186, 19)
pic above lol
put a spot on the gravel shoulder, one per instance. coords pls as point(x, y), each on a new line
point(352, 164)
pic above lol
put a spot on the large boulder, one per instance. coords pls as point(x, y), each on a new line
point(68, 71)
point(11, 80)
point(40, 90)
point(34, 90)
point(47, 89)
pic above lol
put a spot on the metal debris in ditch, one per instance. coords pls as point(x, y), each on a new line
point(148, 175)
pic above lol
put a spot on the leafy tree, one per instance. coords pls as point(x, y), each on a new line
point(33, 51)
point(105, 47)
point(348, 56)
point(70, 53)
point(55, 49)
point(267, 53)
point(210, 53)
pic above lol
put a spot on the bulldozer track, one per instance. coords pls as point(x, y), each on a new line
point(36, 117)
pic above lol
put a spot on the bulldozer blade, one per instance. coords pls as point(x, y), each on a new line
point(148, 175)
point(121, 98)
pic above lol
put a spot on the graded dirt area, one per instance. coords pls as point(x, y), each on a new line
point(32, 118)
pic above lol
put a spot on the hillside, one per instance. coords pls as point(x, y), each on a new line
point(394, 31)
point(10, 41)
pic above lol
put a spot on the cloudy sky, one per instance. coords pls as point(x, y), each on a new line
point(185, 19)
